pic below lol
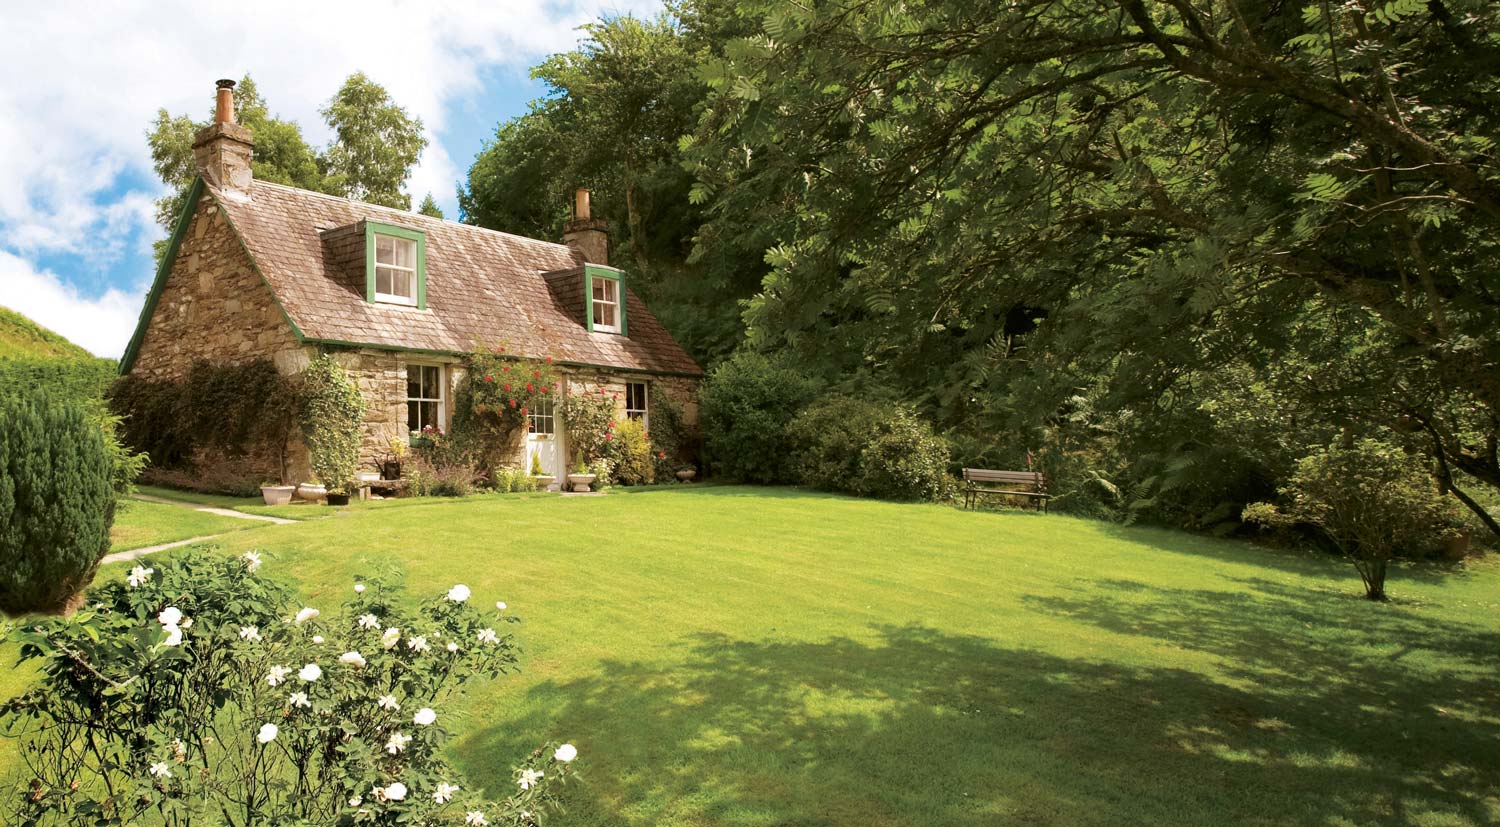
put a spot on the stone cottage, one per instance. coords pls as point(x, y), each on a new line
point(260, 270)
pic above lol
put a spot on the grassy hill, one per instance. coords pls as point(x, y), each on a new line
point(33, 358)
point(20, 337)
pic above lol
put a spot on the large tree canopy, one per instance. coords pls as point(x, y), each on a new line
point(1193, 204)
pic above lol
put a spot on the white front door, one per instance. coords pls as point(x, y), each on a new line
point(544, 440)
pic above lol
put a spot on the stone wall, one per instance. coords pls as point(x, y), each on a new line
point(215, 308)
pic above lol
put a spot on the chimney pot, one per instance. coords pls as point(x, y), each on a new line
point(224, 104)
point(581, 204)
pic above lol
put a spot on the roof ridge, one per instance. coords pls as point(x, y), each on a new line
point(401, 212)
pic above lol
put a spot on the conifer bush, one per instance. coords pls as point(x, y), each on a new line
point(57, 502)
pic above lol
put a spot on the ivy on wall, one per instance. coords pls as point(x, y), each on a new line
point(332, 418)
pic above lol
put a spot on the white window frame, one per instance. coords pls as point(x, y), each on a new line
point(644, 412)
point(396, 298)
point(535, 416)
point(613, 289)
point(441, 399)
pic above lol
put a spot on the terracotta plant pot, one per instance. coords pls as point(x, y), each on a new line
point(581, 482)
point(277, 494)
point(311, 491)
point(687, 474)
point(544, 482)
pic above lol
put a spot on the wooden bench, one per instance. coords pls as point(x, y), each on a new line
point(978, 482)
point(389, 487)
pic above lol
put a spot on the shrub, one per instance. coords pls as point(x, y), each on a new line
point(57, 502)
point(634, 463)
point(332, 416)
point(201, 689)
point(671, 440)
point(1370, 499)
point(747, 403)
point(869, 448)
point(493, 401)
point(590, 415)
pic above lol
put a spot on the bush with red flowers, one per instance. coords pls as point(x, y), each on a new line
point(495, 398)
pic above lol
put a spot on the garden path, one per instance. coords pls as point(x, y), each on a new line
point(132, 554)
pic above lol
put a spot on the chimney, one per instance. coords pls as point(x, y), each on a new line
point(588, 236)
point(223, 148)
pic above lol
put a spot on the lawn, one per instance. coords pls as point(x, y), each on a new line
point(744, 656)
point(139, 524)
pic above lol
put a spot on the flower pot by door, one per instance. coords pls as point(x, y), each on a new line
point(580, 482)
point(277, 494)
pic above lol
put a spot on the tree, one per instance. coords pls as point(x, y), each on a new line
point(611, 120)
point(430, 207)
point(1126, 198)
point(375, 145)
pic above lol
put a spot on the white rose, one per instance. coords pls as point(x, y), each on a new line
point(424, 717)
point(453, 647)
point(267, 733)
point(174, 635)
point(170, 616)
point(529, 778)
point(444, 792)
point(475, 818)
point(387, 702)
point(368, 621)
point(500, 604)
point(397, 742)
point(252, 561)
point(250, 633)
point(305, 615)
point(487, 636)
point(566, 753)
point(161, 770)
point(396, 791)
point(277, 675)
point(354, 659)
point(391, 636)
point(459, 593)
point(417, 644)
point(299, 699)
point(318, 639)
point(359, 587)
point(310, 672)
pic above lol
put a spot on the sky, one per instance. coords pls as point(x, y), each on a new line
point(84, 80)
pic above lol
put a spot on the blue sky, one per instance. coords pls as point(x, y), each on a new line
point(76, 187)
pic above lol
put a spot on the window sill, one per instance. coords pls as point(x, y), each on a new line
point(400, 301)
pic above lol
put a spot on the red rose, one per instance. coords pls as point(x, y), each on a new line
point(546, 388)
point(609, 436)
point(489, 378)
point(614, 396)
point(661, 454)
point(512, 403)
point(536, 374)
point(530, 388)
point(523, 412)
point(549, 360)
point(507, 368)
point(499, 350)
point(507, 386)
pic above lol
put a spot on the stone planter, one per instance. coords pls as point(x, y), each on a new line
point(544, 482)
point(312, 491)
point(581, 482)
point(687, 474)
point(277, 494)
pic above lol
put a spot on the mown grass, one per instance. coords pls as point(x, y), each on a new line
point(139, 524)
point(744, 656)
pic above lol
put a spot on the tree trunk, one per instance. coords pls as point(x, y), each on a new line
point(1372, 572)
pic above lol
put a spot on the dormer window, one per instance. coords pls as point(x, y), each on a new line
point(395, 265)
point(395, 269)
point(606, 292)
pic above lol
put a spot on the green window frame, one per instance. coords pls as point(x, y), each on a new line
point(375, 228)
point(598, 272)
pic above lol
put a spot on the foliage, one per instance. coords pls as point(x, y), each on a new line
point(495, 398)
point(747, 403)
point(1371, 499)
point(632, 454)
point(83, 379)
point(23, 339)
point(869, 447)
point(332, 416)
point(430, 207)
point(200, 690)
point(443, 465)
point(589, 412)
point(228, 410)
point(57, 501)
point(610, 119)
point(672, 442)
point(376, 143)
point(507, 479)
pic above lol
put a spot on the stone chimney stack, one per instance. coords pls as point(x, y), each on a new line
point(587, 235)
point(223, 148)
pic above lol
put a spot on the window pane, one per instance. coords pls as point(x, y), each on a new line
point(432, 386)
point(401, 284)
point(599, 288)
point(429, 413)
point(610, 289)
point(385, 251)
point(406, 253)
point(382, 280)
point(413, 382)
point(606, 313)
point(413, 421)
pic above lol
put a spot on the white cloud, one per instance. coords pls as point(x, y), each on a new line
point(102, 325)
point(83, 82)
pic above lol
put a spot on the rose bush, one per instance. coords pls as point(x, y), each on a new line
point(198, 692)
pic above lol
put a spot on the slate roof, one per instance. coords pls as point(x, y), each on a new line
point(483, 286)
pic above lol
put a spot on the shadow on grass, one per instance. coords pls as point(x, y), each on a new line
point(918, 727)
